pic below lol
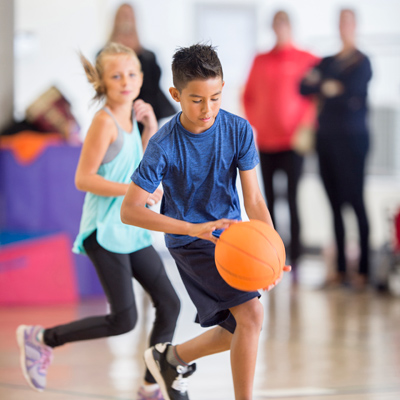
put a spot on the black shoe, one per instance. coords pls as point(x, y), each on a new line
point(172, 380)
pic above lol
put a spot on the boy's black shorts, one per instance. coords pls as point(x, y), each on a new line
point(211, 295)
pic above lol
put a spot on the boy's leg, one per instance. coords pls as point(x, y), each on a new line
point(215, 340)
point(170, 367)
point(244, 346)
point(196, 265)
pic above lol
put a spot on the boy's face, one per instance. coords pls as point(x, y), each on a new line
point(200, 102)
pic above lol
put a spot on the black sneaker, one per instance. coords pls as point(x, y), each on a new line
point(172, 380)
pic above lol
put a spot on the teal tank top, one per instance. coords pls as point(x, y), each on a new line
point(103, 213)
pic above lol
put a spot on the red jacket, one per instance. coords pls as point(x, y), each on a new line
point(271, 99)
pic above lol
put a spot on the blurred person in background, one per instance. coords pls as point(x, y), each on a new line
point(279, 114)
point(124, 31)
point(340, 83)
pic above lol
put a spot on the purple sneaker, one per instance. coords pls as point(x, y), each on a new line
point(155, 395)
point(35, 357)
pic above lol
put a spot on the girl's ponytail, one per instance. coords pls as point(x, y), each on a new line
point(93, 77)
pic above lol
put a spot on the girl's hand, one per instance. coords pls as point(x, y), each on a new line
point(286, 268)
point(155, 197)
point(206, 229)
point(144, 114)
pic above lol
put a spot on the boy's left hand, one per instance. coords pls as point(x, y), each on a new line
point(286, 268)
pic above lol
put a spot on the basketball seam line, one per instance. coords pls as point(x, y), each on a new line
point(266, 238)
point(262, 234)
point(251, 255)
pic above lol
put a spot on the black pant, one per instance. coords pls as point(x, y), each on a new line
point(291, 164)
point(342, 168)
point(115, 272)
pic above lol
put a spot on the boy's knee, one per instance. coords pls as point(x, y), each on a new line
point(257, 313)
point(250, 314)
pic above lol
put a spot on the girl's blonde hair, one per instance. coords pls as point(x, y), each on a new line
point(94, 73)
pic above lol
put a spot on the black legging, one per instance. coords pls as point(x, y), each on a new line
point(291, 164)
point(115, 272)
point(342, 168)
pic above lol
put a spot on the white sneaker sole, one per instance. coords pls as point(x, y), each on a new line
point(155, 371)
point(21, 344)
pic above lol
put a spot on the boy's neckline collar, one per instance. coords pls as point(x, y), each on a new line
point(202, 134)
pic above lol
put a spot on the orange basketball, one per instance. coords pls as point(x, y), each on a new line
point(250, 255)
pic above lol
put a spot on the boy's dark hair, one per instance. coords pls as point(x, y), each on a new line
point(199, 61)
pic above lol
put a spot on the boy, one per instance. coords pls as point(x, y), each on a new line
point(196, 156)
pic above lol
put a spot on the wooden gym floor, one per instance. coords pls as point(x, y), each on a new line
point(315, 345)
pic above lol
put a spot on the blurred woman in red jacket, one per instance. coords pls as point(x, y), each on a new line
point(277, 111)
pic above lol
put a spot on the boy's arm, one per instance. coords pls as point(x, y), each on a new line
point(134, 212)
point(254, 203)
point(255, 206)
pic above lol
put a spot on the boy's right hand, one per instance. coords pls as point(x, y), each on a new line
point(206, 229)
point(286, 268)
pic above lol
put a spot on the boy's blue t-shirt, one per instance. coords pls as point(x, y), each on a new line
point(198, 171)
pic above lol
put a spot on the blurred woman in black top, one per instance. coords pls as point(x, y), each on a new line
point(124, 31)
point(340, 84)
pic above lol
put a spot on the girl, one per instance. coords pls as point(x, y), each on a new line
point(111, 151)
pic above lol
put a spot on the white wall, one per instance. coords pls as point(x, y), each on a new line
point(55, 31)
point(51, 32)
